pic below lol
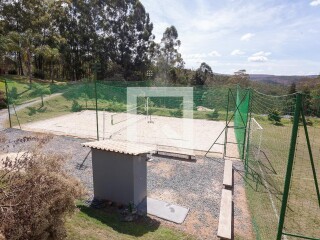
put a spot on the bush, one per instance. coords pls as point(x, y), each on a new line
point(13, 94)
point(32, 111)
point(36, 194)
point(274, 117)
point(76, 107)
point(39, 74)
point(308, 121)
point(3, 100)
point(12, 72)
point(213, 115)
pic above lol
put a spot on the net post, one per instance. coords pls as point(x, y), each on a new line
point(226, 128)
point(293, 142)
point(8, 103)
point(96, 97)
point(248, 132)
point(104, 123)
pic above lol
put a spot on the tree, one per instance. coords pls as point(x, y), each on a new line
point(307, 100)
point(40, 90)
point(241, 77)
point(292, 89)
point(203, 73)
point(169, 57)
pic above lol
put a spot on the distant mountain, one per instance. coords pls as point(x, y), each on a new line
point(285, 80)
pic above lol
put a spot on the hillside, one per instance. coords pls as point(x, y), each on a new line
point(286, 80)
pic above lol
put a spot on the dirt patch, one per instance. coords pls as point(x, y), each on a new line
point(167, 195)
point(242, 220)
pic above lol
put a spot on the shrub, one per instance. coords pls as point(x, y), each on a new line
point(308, 121)
point(13, 94)
point(32, 111)
point(274, 117)
point(36, 194)
point(12, 72)
point(213, 115)
point(76, 107)
point(3, 101)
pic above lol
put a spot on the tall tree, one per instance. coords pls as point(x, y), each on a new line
point(203, 74)
point(169, 57)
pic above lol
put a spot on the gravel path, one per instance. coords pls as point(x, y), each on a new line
point(195, 185)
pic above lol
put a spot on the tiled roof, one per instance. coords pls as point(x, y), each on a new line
point(120, 147)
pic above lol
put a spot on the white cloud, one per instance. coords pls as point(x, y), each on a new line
point(315, 3)
point(237, 52)
point(259, 57)
point(214, 54)
point(261, 53)
point(247, 37)
point(281, 27)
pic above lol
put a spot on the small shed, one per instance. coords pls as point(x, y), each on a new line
point(119, 171)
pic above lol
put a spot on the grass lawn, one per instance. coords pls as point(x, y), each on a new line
point(303, 215)
point(89, 223)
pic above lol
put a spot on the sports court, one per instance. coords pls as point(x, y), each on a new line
point(165, 133)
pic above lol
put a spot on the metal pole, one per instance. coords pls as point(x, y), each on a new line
point(226, 128)
point(294, 135)
point(97, 119)
point(8, 103)
point(104, 113)
point(248, 139)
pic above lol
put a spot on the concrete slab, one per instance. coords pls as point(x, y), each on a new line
point(167, 211)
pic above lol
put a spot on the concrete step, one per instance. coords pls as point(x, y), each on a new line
point(225, 218)
point(228, 174)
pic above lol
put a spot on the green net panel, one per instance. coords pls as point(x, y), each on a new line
point(266, 158)
point(302, 217)
point(241, 117)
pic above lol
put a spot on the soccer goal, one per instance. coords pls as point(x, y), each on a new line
point(255, 136)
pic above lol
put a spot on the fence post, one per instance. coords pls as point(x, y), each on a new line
point(247, 145)
point(8, 102)
point(294, 135)
point(96, 96)
point(226, 129)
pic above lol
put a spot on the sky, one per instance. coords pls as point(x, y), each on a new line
point(280, 37)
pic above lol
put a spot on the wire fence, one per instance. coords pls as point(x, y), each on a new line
point(42, 102)
point(269, 143)
point(262, 124)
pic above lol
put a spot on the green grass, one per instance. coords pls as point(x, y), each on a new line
point(25, 93)
point(89, 223)
point(303, 216)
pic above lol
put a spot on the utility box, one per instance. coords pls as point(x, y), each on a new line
point(119, 171)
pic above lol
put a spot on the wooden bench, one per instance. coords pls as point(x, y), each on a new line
point(228, 174)
point(225, 218)
point(187, 153)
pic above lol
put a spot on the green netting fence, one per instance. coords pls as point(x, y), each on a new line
point(64, 98)
point(262, 125)
point(284, 204)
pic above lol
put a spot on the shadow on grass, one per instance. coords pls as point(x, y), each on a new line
point(111, 218)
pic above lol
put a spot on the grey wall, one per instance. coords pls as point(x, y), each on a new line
point(119, 177)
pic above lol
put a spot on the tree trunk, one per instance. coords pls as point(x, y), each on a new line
point(20, 64)
point(29, 64)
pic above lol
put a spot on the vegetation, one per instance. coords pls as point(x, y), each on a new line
point(3, 100)
point(35, 194)
point(89, 223)
point(274, 117)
